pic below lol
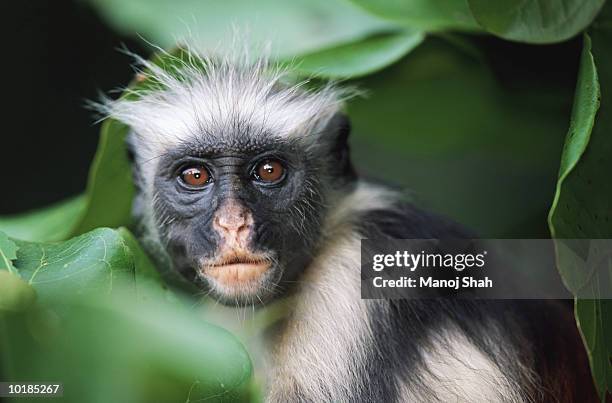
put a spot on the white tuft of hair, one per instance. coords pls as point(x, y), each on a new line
point(228, 94)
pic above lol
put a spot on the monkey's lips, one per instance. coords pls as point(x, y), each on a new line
point(236, 274)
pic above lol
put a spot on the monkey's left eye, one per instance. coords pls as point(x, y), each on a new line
point(196, 176)
point(269, 171)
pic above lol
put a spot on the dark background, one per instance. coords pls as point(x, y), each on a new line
point(58, 54)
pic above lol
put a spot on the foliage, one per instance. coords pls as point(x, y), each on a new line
point(535, 21)
point(424, 14)
point(91, 302)
point(8, 253)
point(54, 223)
point(297, 26)
point(583, 201)
point(359, 58)
point(437, 117)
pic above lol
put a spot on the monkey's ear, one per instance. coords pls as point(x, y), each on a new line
point(335, 138)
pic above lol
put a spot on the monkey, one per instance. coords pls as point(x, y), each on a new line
point(245, 187)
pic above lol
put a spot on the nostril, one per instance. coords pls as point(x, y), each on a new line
point(233, 218)
point(234, 222)
point(243, 228)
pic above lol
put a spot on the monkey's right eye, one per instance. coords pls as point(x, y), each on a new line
point(196, 176)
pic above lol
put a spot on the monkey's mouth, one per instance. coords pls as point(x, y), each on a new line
point(236, 272)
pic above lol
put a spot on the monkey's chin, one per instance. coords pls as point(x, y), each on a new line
point(236, 281)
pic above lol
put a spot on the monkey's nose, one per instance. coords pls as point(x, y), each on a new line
point(231, 222)
point(232, 219)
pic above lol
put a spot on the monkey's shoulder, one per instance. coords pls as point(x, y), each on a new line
point(403, 220)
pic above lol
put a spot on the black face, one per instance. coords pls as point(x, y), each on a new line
point(242, 218)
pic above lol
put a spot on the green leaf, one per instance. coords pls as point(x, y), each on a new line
point(8, 253)
point(535, 21)
point(124, 350)
point(15, 294)
point(109, 188)
point(594, 318)
point(583, 201)
point(423, 14)
point(359, 58)
point(149, 282)
point(104, 308)
point(91, 263)
point(294, 27)
point(54, 223)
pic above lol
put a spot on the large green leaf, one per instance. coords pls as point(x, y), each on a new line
point(8, 253)
point(109, 188)
point(103, 307)
point(594, 318)
point(15, 294)
point(149, 282)
point(111, 349)
point(94, 262)
point(361, 57)
point(295, 26)
point(90, 263)
point(423, 14)
point(583, 201)
point(535, 21)
point(54, 223)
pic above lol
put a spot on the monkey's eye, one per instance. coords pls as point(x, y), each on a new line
point(269, 171)
point(195, 176)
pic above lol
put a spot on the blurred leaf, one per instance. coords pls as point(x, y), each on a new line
point(8, 253)
point(439, 123)
point(583, 201)
point(535, 21)
point(15, 294)
point(149, 282)
point(53, 223)
point(594, 318)
point(106, 349)
point(109, 188)
point(423, 14)
point(135, 345)
point(294, 27)
point(359, 58)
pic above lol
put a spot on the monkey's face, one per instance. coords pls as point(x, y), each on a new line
point(240, 218)
point(234, 168)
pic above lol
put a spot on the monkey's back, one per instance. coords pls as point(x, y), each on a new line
point(534, 343)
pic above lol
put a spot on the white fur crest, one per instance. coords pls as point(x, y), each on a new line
point(211, 96)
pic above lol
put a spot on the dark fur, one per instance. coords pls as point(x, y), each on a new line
point(543, 333)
